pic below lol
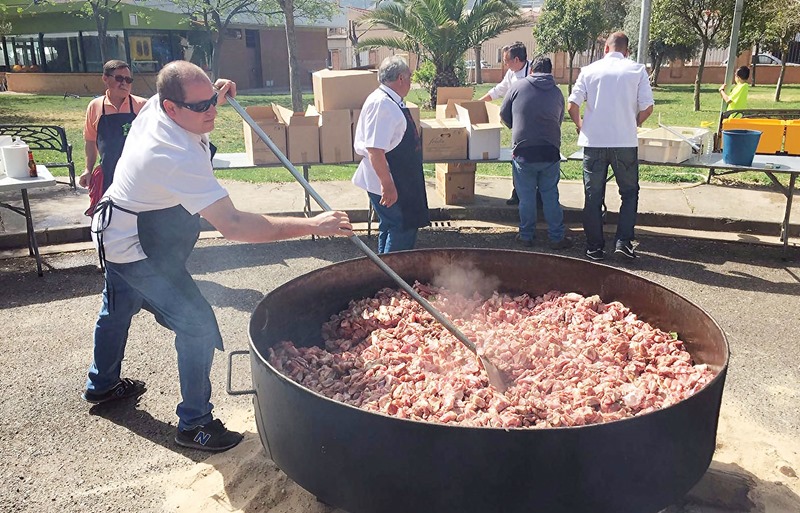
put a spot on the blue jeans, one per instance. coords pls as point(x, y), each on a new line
point(391, 235)
point(178, 305)
point(625, 163)
point(544, 176)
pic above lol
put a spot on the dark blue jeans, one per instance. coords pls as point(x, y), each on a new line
point(542, 176)
point(391, 235)
point(178, 304)
point(625, 163)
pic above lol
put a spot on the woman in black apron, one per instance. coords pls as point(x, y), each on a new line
point(398, 233)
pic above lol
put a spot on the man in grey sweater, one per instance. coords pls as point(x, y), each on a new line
point(534, 110)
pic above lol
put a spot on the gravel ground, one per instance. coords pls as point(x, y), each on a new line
point(57, 454)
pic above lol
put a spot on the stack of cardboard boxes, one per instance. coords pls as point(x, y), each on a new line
point(463, 129)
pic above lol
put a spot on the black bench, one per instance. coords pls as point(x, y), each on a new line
point(46, 138)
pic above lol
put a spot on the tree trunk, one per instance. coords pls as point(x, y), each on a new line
point(291, 44)
point(699, 78)
point(780, 78)
point(445, 77)
point(352, 35)
point(101, 22)
point(216, 62)
point(754, 60)
point(657, 60)
point(571, 68)
point(478, 77)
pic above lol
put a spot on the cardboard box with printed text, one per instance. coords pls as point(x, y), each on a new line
point(443, 139)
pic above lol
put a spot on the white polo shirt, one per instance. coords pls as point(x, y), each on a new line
point(162, 165)
point(382, 125)
point(500, 90)
point(615, 90)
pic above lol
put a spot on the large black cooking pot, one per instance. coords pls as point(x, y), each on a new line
point(367, 462)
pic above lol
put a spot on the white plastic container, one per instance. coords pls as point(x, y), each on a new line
point(15, 159)
point(661, 145)
point(5, 140)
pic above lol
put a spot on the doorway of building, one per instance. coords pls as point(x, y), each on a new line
point(253, 58)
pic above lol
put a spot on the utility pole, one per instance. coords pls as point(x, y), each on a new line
point(644, 32)
point(729, 69)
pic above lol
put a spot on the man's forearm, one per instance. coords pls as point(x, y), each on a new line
point(643, 115)
point(90, 150)
point(575, 114)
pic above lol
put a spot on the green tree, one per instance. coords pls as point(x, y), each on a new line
point(669, 40)
point(441, 31)
point(216, 15)
point(753, 31)
point(781, 30)
point(711, 20)
point(569, 26)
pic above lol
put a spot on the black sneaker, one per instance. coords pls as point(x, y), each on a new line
point(564, 243)
point(595, 254)
point(528, 243)
point(213, 437)
point(124, 389)
point(625, 249)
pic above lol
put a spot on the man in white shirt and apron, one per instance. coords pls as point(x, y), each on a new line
point(391, 170)
point(146, 226)
point(515, 58)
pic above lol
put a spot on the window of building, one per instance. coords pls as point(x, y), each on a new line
point(62, 53)
point(251, 38)
point(150, 50)
point(115, 49)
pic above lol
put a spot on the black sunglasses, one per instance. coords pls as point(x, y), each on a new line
point(121, 79)
point(198, 106)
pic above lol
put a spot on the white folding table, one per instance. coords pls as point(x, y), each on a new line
point(45, 179)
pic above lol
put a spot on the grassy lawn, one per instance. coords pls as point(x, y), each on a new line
point(673, 103)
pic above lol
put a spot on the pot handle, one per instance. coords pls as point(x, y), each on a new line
point(230, 367)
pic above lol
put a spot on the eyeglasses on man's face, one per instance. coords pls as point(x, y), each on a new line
point(202, 106)
point(121, 78)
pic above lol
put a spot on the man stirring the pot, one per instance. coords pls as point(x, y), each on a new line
point(391, 170)
point(146, 226)
point(108, 120)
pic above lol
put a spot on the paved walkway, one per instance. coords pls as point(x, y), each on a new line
point(747, 213)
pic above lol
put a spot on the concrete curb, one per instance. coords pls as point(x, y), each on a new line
point(508, 215)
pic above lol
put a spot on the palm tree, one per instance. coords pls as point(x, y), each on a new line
point(442, 30)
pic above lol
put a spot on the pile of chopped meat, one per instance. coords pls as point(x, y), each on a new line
point(569, 360)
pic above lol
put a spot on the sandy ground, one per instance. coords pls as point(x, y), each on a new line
point(56, 454)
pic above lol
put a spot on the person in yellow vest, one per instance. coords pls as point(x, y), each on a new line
point(737, 99)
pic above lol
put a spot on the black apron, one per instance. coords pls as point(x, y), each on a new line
point(405, 166)
point(112, 129)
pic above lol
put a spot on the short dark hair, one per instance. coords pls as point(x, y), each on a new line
point(173, 77)
point(113, 65)
point(743, 72)
point(618, 41)
point(542, 65)
point(516, 50)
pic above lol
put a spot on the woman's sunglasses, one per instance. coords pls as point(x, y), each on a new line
point(202, 106)
point(121, 79)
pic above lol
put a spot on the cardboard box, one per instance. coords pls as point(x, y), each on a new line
point(455, 168)
point(455, 188)
point(448, 97)
point(256, 150)
point(443, 139)
point(342, 89)
point(302, 135)
point(335, 135)
point(482, 120)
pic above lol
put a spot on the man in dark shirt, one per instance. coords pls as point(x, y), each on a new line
point(534, 110)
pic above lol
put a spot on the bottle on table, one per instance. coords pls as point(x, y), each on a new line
point(32, 165)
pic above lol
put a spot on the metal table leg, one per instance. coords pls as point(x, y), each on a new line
point(786, 215)
point(33, 246)
point(370, 212)
point(307, 197)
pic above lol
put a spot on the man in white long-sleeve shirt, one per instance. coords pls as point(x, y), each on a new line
point(515, 58)
point(618, 98)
